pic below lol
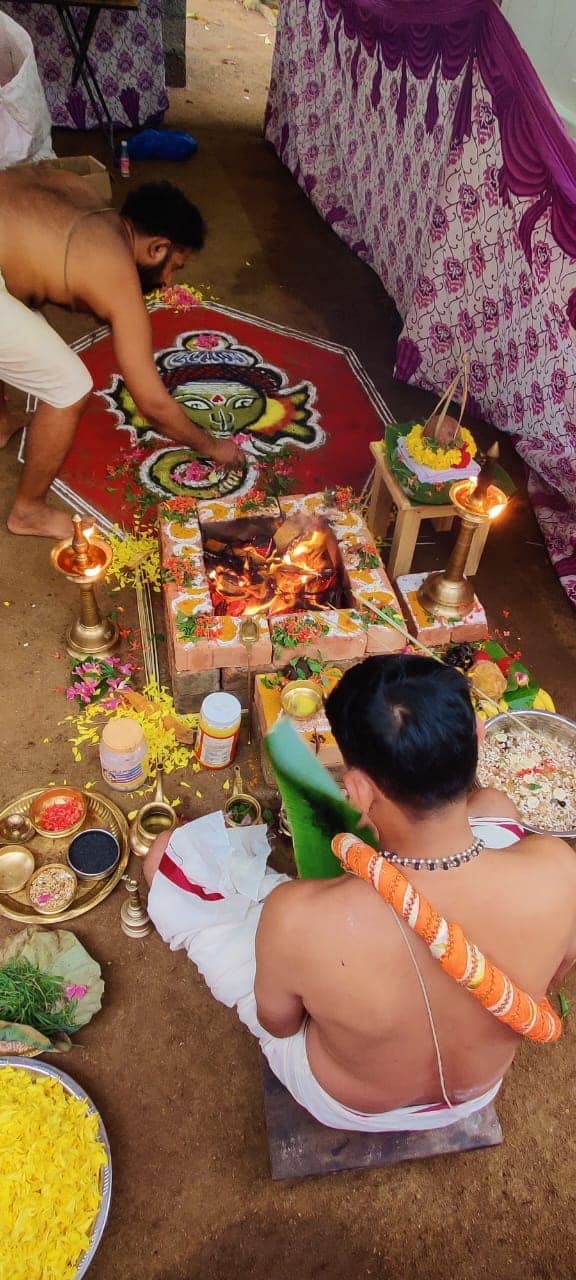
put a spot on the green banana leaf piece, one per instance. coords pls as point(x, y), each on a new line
point(59, 952)
point(16, 1039)
point(315, 807)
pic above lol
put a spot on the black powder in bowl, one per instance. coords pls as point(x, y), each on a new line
point(93, 853)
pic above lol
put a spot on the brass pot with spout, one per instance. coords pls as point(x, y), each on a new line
point(152, 820)
point(241, 802)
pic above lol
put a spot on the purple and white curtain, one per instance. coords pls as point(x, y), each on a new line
point(422, 134)
point(126, 51)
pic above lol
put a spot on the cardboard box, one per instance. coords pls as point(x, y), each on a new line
point(93, 173)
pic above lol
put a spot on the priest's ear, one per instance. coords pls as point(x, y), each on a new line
point(360, 790)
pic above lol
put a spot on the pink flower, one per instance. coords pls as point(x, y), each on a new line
point(207, 341)
point(75, 990)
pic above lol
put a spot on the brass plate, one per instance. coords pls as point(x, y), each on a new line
point(101, 812)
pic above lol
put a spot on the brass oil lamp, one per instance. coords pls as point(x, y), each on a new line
point(84, 559)
point(447, 594)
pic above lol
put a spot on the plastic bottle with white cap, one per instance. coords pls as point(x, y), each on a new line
point(218, 729)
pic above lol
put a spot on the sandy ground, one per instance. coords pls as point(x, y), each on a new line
point(175, 1076)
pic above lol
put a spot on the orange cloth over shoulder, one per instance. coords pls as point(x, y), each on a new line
point(447, 942)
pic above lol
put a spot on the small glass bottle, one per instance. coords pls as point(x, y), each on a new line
point(123, 754)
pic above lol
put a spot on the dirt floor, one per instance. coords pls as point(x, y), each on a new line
point(175, 1075)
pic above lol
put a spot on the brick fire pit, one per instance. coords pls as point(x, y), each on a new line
point(204, 648)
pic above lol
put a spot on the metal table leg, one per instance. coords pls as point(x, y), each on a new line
point(79, 43)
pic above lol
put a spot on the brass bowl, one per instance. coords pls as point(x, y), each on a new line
point(64, 876)
point(252, 806)
point(17, 828)
point(16, 867)
point(56, 795)
point(301, 699)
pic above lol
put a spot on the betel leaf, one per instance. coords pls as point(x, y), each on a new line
point(315, 807)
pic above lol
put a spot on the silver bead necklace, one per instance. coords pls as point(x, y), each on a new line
point(437, 864)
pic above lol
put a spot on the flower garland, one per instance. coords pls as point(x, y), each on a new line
point(432, 455)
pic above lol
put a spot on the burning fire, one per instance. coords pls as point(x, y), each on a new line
point(262, 566)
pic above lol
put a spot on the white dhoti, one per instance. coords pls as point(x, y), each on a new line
point(35, 359)
point(206, 898)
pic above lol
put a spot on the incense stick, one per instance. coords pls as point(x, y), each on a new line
point(418, 644)
point(147, 633)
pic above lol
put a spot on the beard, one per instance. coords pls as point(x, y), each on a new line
point(151, 277)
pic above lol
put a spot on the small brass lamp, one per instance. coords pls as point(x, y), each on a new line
point(84, 559)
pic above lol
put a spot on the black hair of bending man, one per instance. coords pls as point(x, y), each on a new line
point(408, 723)
point(162, 209)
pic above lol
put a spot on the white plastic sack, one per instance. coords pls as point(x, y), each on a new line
point(24, 118)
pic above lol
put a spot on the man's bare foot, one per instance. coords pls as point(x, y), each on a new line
point(40, 521)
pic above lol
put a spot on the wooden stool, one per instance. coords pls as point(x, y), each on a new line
point(387, 493)
point(300, 1147)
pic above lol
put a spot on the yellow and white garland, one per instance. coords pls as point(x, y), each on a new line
point(428, 454)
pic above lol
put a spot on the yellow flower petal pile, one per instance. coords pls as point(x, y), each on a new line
point(432, 455)
point(49, 1177)
point(136, 559)
point(164, 749)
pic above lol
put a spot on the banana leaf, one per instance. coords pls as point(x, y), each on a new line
point(19, 1040)
point(315, 807)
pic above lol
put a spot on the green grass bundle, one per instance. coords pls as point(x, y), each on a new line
point(35, 999)
point(315, 807)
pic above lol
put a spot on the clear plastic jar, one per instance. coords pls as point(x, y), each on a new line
point(123, 754)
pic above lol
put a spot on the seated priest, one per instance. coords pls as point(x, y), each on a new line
point(351, 1006)
point(59, 244)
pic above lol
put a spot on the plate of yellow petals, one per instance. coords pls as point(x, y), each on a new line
point(55, 1188)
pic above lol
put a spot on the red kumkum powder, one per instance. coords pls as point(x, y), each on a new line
point(59, 817)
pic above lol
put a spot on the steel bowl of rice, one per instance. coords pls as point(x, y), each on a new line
point(532, 757)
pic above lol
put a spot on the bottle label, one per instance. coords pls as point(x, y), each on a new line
point(125, 779)
point(215, 753)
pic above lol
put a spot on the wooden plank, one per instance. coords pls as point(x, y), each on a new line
point(300, 1147)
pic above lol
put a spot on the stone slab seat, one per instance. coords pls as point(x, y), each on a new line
point(300, 1147)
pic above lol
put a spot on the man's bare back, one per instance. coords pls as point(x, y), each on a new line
point(55, 239)
point(335, 948)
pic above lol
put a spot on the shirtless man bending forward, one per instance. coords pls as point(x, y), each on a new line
point(348, 1000)
point(57, 244)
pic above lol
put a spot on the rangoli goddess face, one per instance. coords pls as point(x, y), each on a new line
point(228, 391)
point(222, 408)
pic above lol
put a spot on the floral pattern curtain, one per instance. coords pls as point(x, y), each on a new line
point(423, 136)
point(126, 52)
